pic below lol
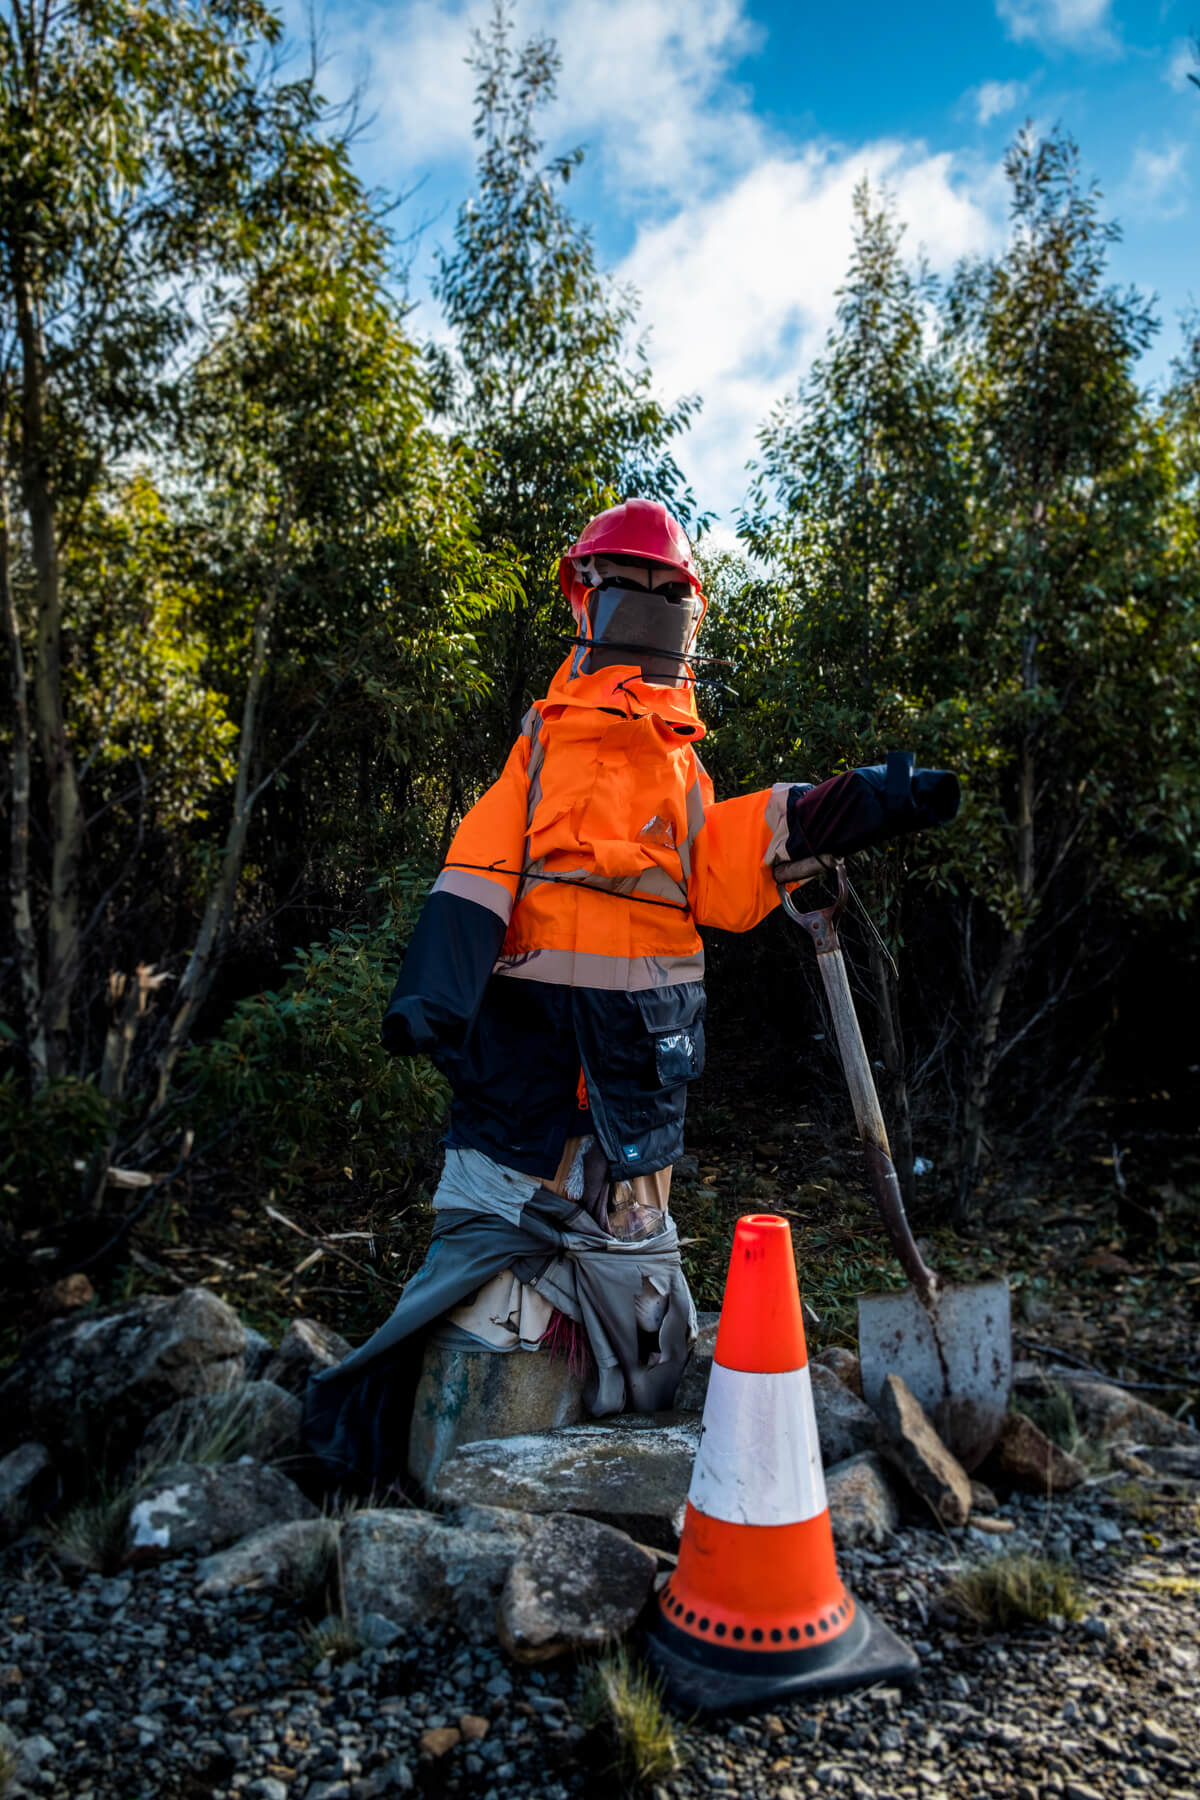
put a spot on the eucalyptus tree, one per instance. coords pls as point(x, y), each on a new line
point(1064, 643)
point(334, 549)
point(854, 504)
point(137, 150)
point(547, 384)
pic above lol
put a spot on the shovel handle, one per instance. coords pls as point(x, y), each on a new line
point(822, 928)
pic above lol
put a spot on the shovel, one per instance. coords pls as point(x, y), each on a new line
point(951, 1344)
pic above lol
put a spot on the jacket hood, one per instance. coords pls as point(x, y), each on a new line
point(623, 690)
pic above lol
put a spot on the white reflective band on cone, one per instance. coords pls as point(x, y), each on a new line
point(759, 1461)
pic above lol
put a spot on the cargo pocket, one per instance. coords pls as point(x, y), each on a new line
point(674, 1021)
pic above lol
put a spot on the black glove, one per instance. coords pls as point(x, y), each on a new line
point(868, 806)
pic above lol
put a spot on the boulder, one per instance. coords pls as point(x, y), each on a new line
point(1109, 1415)
point(94, 1382)
point(845, 1423)
point(66, 1295)
point(862, 1505)
point(575, 1586)
point(200, 1507)
point(259, 1351)
point(409, 1567)
point(254, 1419)
point(918, 1452)
point(28, 1485)
point(292, 1559)
point(465, 1395)
point(305, 1348)
point(693, 1386)
point(844, 1364)
point(632, 1471)
point(1182, 1461)
point(1024, 1457)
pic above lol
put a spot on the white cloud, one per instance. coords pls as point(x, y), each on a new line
point(1157, 183)
point(742, 286)
point(1182, 61)
point(992, 99)
point(645, 83)
point(1072, 24)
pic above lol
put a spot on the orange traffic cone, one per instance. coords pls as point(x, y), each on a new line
point(755, 1610)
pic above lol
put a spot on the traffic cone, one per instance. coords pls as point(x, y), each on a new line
point(755, 1610)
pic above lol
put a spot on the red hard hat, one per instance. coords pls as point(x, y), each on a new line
point(640, 528)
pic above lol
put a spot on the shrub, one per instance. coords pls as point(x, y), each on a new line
point(44, 1139)
point(303, 1068)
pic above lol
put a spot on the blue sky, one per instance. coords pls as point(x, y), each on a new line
point(724, 139)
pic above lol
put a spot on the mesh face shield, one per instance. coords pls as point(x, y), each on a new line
point(652, 628)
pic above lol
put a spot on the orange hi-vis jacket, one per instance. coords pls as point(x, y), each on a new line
point(561, 935)
point(562, 932)
point(601, 845)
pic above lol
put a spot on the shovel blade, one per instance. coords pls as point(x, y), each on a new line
point(957, 1359)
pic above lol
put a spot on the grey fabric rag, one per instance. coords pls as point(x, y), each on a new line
point(488, 1218)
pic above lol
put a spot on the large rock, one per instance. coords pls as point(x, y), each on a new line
point(1024, 1457)
point(844, 1364)
point(1109, 1415)
point(292, 1559)
point(259, 1352)
point(862, 1505)
point(846, 1425)
point(200, 1507)
point(465, 1395)
point(693, 1386)
point(254, 1419)
point(94, 1383)
point(1182, 1461)
point(28, 1484)
point(305, 1348)
point(409, 1567)
point(633, 1472)
point(575, 1586)
point(914, 1446)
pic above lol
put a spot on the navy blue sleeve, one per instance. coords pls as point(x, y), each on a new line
point(868, 806)
point(445, 972)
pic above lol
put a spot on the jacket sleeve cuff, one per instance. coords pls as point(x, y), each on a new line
point(449, 959)
point(868, 806)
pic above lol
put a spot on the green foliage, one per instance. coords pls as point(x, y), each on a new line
point(45, 1141)
point(302, 1069)
point(544, 382)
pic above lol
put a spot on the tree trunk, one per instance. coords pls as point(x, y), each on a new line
point(982, 1061)
point(214, 926)
point(891, 1043)
point(24, 935)
point(64, 807)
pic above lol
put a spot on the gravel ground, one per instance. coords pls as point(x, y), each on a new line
point(132, 1689)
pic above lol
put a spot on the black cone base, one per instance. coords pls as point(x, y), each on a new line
point(712, 1678)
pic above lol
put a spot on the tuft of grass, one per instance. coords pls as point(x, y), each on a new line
point(220, 1434)
point(1054, 1413)
point(1014, 1590)
point(8, 1769)
point(336, 1639)
point(91, 1535)
point(622, 1699)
